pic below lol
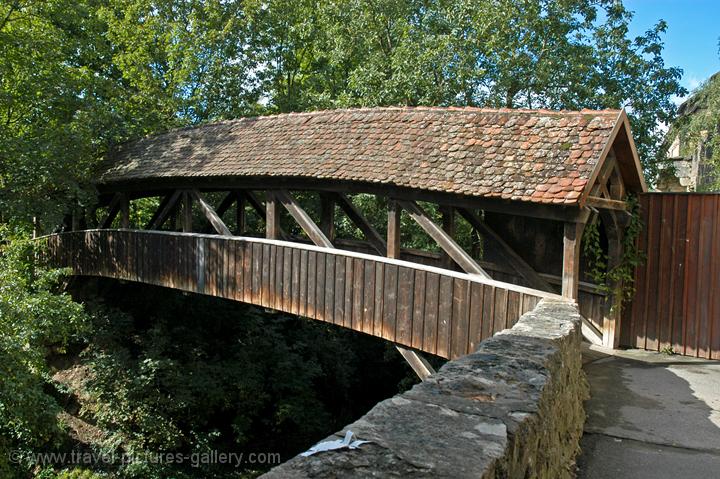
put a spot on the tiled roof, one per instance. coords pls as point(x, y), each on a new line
point(528, 155)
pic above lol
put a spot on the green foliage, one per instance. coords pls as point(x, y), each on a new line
point(33, 317)
point(502, 53)
point(699, 128)
point(623, 273)
point(186, 374)
point(78, 77)
point(76, 473)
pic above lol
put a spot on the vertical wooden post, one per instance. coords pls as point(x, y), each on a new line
point(75, 220)
point(421, 367)
point(240, 212)
point(272, 216)
point(448, 225)
point(187, 223)
point(124, 212)
point(571, 259)
point(393, 229)
point(613, 310)
point(174, 216)
point(327, 216)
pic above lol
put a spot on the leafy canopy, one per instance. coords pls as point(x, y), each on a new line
point(699, 127)
point(78, 77)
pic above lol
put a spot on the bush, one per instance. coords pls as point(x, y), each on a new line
point(34, 316)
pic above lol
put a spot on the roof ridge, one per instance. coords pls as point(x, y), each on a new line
point(458, 109)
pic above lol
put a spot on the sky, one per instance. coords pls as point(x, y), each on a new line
point(691, 41)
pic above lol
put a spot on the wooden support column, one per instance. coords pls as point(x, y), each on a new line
point(261, 211)
point(240, 212)
point(611, 326)
point(393, 229)
point(571, 259)
point(272, 216)
point(187, 218)
point(448, 225)
point(327, 215)
point(74, 220)
point(124, 211)
point(416, 362)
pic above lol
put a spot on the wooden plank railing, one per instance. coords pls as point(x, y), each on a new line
point(430, 309)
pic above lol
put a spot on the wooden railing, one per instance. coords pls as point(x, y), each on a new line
point(437, 311)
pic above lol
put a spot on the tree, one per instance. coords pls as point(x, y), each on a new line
point(568, 54)
point(54, 113)
point(699, 127)
point(76, 78)
point(33, 317)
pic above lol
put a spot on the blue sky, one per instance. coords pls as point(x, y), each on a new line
point(691, 41)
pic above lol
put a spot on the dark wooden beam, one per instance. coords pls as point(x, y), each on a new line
point(272, 216)
point(359, 220)
point(520, 208)
point(255, 204)
point(225, 205)
point(113, 209)
point(187, 216)
point(605, 203)
point(571, 259)
point(311, 229)
point(448, 226)
point(259, 208)
point(124, 211)
point(393, 229)
point(462, 258)
point(515, 260)
point(327, 215)
point(617, 186)
point(240, 212)
point(211, 215)
point(164, 210)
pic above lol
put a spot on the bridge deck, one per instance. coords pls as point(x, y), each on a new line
point(434, 310)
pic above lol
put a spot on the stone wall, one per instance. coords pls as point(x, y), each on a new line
point(511, 409)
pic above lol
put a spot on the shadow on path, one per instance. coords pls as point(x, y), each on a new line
point(651, 415)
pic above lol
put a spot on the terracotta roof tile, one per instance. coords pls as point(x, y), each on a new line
point(528, 155)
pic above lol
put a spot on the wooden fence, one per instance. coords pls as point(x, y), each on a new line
point(677, 302)
point(433, 310)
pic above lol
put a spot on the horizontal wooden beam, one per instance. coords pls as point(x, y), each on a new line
point(153, 187)
point(605, 203)
point(445, 241)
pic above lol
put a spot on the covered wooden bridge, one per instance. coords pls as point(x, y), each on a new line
point(252, 210)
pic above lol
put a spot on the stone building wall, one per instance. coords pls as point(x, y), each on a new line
point(514, 408)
